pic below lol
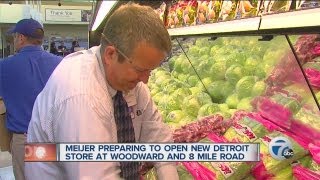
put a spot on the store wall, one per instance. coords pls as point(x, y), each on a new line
point(9, 15)
point(13, 13)
point(73, 30)
point(65, 23)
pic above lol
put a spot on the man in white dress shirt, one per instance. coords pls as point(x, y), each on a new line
point(76, 105)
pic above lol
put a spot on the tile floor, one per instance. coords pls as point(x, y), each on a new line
point(6, 166)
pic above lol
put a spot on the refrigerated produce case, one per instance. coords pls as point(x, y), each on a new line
point(230, 72)
point(245, 80)
point(253, 87)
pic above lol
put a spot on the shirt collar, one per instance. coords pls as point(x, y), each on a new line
point(31, 48)
point(110, 89)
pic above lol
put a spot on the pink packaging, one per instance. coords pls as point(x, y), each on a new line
point(274, 112)
point(315, 152)
point(313, 76)
point(198, 171)
point(301, 173)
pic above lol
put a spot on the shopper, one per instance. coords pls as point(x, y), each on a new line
point(75, 44)
point(53, 48)
point(22, 77)
point(87, 98)
point(62, 49)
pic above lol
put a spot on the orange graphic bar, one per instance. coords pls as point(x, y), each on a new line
point(40, 152)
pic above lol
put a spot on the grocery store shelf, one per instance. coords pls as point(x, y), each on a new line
point(249, 24)
point(289, 22)
point(295, 19)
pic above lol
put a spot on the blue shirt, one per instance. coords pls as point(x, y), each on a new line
point(22, 78)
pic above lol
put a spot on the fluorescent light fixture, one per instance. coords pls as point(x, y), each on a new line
point(250, 24)
point(104, 9)
point(302, 18)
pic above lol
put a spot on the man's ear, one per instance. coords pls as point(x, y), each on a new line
point(22, 39)
point(109, 54)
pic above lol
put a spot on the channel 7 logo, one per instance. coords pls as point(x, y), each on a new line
point(280, 148)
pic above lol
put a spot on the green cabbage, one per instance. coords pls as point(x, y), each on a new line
point(258, 88)
point(232, 101)
point(234, 73)
point(244, 86)
point(218, 70)
point(245, 104)
point(208, 109)
point(191, 105)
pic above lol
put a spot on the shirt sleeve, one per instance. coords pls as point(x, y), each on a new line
point(83, 119)
point(153, 129)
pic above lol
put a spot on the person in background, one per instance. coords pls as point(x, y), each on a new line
point(100, 96)
point(62, 49)
point(62, 46)
point(22, 77)
point(53, 48)
point(74, 45)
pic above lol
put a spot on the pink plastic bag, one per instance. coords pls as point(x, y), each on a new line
point(299, 133)
point(259, 172)
point(269, 125)
point(238, 115)
point(316, 50)
point(216, 138)
point(301, 173)
point(197, 130)
point(274, 112)
point(303, 141)
point(304, 131)
point(313, 76)
point(198, 171)
point(315, 152)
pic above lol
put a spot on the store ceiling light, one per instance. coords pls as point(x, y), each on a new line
point(104, 9)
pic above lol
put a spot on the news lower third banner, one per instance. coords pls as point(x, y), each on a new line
point(222, 152)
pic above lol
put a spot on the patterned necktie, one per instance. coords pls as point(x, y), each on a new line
point(125, 133)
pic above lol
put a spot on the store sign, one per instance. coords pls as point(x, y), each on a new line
point(65, 15)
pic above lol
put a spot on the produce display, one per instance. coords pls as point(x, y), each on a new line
point(271, 165)
point(247, 8)
point(304, 4)
point(228, 10)
point(161, 12)
point(308, 51)
point(208, 11)
point(277, 6)
point(226, 170)
point(239, 89)
point(245, 130)
point(200, 129)
point(182, 13)
point(192, 12)
point(218, 86)
point(214, 77)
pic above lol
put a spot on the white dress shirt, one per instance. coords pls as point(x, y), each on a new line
point(76, 106)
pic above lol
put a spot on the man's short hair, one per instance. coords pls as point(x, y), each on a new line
point(131, 24)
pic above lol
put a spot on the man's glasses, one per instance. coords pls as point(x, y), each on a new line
point(136, 68)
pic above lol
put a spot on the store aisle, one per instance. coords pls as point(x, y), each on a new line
point(6, 172)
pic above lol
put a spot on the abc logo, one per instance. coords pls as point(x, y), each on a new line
point(280, 148)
